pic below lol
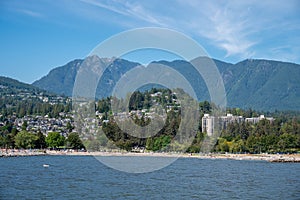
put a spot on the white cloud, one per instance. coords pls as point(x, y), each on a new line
point(105, 6)
point(129, 9)
point(214, 22)
point(241, 28)
point(228, 32)
point(236, 27)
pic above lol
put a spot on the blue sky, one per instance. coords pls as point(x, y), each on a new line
point(38, 35)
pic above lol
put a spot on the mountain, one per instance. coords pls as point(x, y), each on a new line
point(60, 80)
point(12, 86)
point(253, 83)
point(19, 99)
point(13, 92)
point(191, 74)
point(264, 84)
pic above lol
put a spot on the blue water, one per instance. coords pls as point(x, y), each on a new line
point(83, 177)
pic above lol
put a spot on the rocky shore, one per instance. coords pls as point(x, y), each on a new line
point(283, 158)
point(20, 153)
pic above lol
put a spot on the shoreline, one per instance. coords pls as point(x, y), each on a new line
point(294, 158)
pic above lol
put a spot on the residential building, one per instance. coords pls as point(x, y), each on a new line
point(211, 123)
point(208, 122)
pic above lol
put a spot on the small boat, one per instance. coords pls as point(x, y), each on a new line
point(45, 165)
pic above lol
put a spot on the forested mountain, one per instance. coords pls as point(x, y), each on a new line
point(263, 84)
point(253, 83)
point(60, 80)
point(12, 86)
point(24, 99)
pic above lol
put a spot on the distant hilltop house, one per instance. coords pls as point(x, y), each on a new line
point(209, 123)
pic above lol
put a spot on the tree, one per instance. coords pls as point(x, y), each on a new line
point(41, 140)
point(54, 139)
point(2, 141)
point(161, 142)
point(25, 140)
point(205, 107)
point(238, 146)
point(73, 141)
point(287, 142)
point(9, 141)
point(93, 145)
point(253, 144)
point(69, 127)
point(223, 145)
point(24, 126)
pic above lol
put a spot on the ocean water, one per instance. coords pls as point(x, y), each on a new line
point(84, 177)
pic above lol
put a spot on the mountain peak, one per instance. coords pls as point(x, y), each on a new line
point(252, 83)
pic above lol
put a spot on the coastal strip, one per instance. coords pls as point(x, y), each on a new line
point(264, 157)
point(282, 158)
point(21, 153)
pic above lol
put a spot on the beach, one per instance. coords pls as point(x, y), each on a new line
point(212, 156)
point(264, 157)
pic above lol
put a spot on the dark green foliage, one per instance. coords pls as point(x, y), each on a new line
point(197, 142)
point(205, 107)
point(22, 99)
point(74, 142)
point(154, 143)
point(7, 134)
point(9, 106)
point(10, 85)
point(136, 101)
point(265, 136)
point(41, 141)
point(103, 105)
point(282, 135)
point(120, 138)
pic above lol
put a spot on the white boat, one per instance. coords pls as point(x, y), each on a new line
point(45, 165)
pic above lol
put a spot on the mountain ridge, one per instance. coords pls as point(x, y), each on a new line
point(251, 83)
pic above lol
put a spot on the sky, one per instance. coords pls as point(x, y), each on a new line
point(39, 35)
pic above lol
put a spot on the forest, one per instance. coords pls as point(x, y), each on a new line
point(279, 136)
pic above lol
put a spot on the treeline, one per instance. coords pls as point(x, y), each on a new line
point(13, 106)
point(265, 136)
point(280, 135)
point(126, 141)
point(140, 100)
point(11, 138)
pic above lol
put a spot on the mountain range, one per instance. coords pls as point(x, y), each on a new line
point(12, 87)
point(253, 83)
